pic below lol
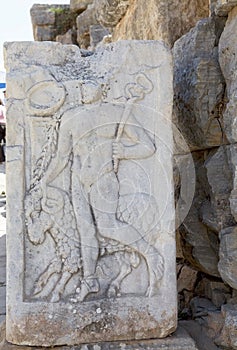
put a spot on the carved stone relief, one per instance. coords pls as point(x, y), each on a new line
point(97, 195)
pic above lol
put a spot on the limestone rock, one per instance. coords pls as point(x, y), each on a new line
point(216, 291)
point(91, 248)
point(200, 242)
point(223, 7)
point(187, 279)
point(228, 335)
point(228, 256)
point(201, 307)
point(219, 293)
point(109, 13)
point(97, 33)
point(212, 208)
point(199, 334)
point(199, 87)
point(160, 20)
point(213, 324)
point(79, 5)
point(69, 38)
point(48, 21)
point(40, 15)
point(84, 22)
point(220, 178)
point(228, 62)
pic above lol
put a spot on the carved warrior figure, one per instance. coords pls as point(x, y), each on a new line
point(92, 140)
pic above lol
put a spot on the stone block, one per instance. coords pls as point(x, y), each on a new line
point(187, 279)
point(197, 332)
point(48, 21)
point(219, 167)
point(217, 292)
point(200, 242)
point(228, 62)
point(201, 307)
point(69, 38)
point(79, 5)
point(180, 340)
point(44, 33)
point(91, 239)
point(97, 33)
point(199, 87)
point(228, 256)
point(109, 13)
point(228, 335)
point(84, 21)
point(41, 15)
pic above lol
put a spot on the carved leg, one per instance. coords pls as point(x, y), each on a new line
point(88, 239)
point(54, 267)
point(60, 286)
point(156, 269)
point(125, 270)
point(88, 285)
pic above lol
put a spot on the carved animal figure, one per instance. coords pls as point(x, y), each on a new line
point(140, 211)
point(55, 217)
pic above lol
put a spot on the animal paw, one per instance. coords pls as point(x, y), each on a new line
point(39, 287)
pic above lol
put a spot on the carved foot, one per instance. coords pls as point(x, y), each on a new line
point(55, 298)
point(112, 291)
point(88, 286)
point(151, 291)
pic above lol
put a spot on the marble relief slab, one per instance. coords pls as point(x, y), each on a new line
point(91, 241)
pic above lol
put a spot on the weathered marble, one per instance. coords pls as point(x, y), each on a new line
point(91, 248)
point(180, 340)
